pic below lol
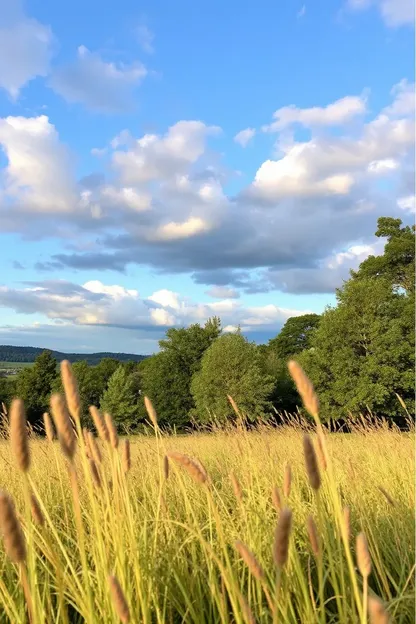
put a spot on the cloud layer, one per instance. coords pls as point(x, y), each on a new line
point(163, 202)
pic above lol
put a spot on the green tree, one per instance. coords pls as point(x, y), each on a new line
point(397, 263)
point(120, 400)
point(231, 366)
point(363, 350)
point(166, 377)
point(295, 335)
point(34, 385)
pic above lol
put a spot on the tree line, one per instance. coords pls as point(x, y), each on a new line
point(359, 355)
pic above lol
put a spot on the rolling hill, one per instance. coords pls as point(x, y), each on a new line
point(10, 353)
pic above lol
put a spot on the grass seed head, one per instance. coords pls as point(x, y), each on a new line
point(313, 536)
point(281, 538)
point(18, 435)
point(321, 450)
point(363, 555)
point(95, 473)
point(151, 412)
point(99, 423)
point(347, 521)
point(238, 493)
point(126, 456)
point(377, 611)
point(119, 600)
point(14, 541)
point(94, 448)
point(166, 467)
point(311, 463)
point(37, 513)
point(305, 388)
point(287, 480)
point(71, 390)
point(63, 425)
point(48, 426)
point(112, 432)
point(250, 560)
point(193, 468)
point(277, 499)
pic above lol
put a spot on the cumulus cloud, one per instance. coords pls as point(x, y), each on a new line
point(97, 304)
point(101, 86)
point(244, 137)
point(335, 114)
point(155, 157)
point(163, 201)
point(38, 177)
point(394, 12)
point(25, 47)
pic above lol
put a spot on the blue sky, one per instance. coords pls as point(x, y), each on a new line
point(165, 162)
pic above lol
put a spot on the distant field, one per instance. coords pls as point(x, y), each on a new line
point(14, 365)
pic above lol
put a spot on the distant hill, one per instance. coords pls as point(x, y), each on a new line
point(29, 354)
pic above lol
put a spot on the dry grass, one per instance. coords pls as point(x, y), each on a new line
point(216, 541)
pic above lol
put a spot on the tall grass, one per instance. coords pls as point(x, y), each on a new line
point(273, 525)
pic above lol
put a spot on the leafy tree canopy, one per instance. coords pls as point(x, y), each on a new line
point(397, 263)
point(231, 366)
point(34, 385)
point(120, 400)
point(295, 335)
point(166, 377)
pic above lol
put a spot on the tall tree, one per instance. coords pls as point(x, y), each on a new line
point(363, 350)
point(231, 366)
point(166, 376)
point(34, 385)
point(295, 335)
point(120, 400)
point(397, 263)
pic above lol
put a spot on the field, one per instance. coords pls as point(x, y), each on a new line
point(196, 540)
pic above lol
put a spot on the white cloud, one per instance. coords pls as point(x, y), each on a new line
point(335, 114)
point(102, 86)
point(97, 304)
point(127, 197)
point(39, 175)
point(244, 137)
point(333, 165)
point(145, 38)
point(407, 204)
point(155, 157)
point(301, 11)
point(174, 231)
point(381, 167)
point(25, 47)
point(223, 292)
point(394, 12)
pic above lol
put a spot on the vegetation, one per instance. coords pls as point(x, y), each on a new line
point(13, 354)
point(234, 526)
point(230, 367)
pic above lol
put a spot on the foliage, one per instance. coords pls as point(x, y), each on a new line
point(166, 377)
point(363, 351)
point(34, 385)
point(295, 335)
point(120, 399)
point(397, 263)
point(231, 366)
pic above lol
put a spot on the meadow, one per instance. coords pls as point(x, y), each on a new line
point(289, 524)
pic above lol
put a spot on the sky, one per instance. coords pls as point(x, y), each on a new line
point(164, 162)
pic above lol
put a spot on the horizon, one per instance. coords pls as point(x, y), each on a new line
point(155, 173)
